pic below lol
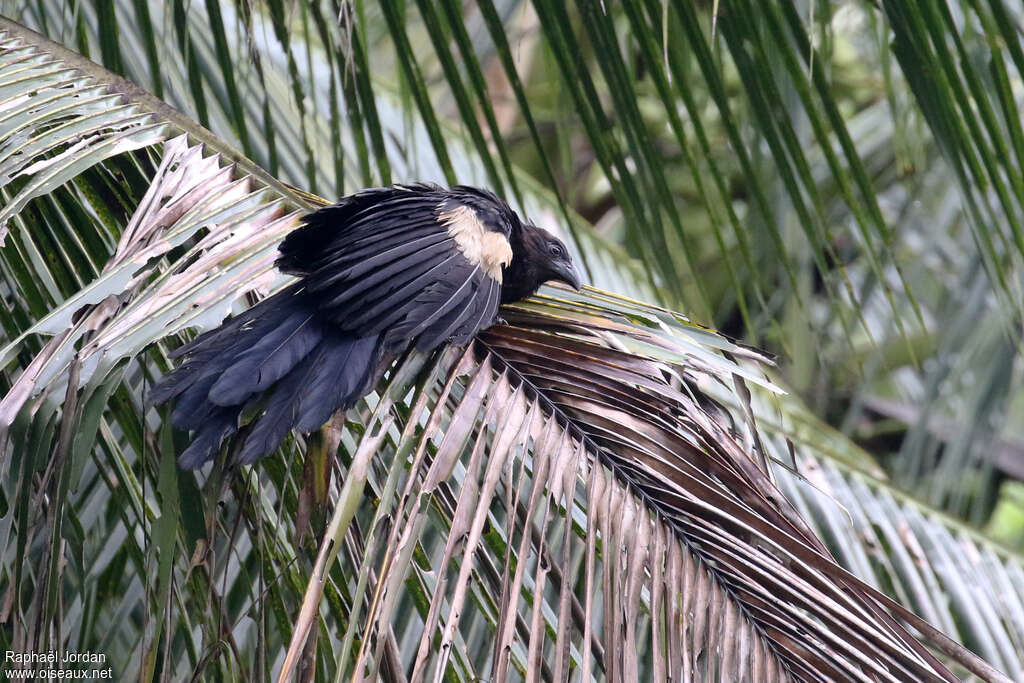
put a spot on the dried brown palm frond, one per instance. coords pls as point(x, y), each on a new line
point(636, 511)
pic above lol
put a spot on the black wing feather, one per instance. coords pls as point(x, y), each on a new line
point(387, 308)
point(390, 267)
point(381, 249)
point(486, 304)
point(381, 252)
point(386, 277)
point(461, 310)
point(344, 221)
point(436, 300)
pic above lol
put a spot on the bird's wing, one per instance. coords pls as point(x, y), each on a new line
point(409, 263)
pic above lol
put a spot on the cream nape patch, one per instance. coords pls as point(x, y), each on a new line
point(479, 245)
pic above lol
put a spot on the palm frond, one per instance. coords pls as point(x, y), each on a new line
point(566, 487)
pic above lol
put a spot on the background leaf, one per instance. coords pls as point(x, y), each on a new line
point(837, 185)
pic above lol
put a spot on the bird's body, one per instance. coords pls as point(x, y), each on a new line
point(379, 272)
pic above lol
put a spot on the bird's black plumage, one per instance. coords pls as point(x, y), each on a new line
point(381, 271)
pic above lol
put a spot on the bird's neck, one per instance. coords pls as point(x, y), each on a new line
point(521, 278)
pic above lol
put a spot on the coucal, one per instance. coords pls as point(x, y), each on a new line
point(383, 270)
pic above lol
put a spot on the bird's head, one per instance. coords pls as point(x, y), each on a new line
point(557, 263)
point(537, 257)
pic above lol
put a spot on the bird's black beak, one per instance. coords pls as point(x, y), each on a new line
point(565, 271)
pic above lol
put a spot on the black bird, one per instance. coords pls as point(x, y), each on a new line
point(383, 270)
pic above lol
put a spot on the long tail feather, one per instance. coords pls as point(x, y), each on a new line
point(279, 413)
point(276, 360)
point(268, 360)
point(344, 374)
point(193, 406)
point(208, 438)
point(337, 374)
point(208, 349)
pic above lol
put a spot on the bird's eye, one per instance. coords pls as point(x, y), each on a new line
point(556, 250)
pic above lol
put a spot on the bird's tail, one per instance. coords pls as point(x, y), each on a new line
point(276, 361)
